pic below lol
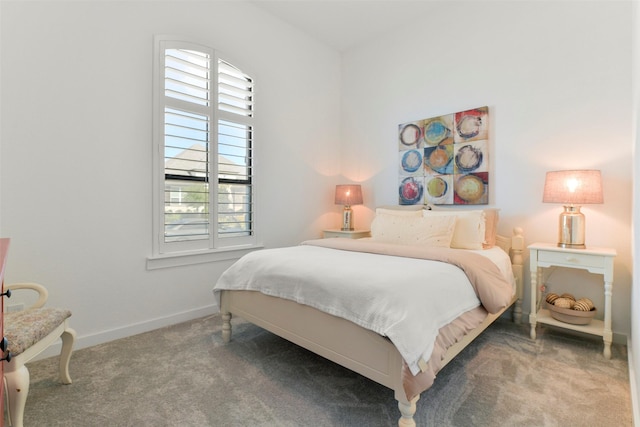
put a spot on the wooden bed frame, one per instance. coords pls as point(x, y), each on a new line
point(348, 344)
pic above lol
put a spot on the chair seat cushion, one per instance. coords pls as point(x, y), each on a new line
point(25, 328)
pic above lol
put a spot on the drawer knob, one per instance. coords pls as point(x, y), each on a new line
point(7, 357)
point(4, 343)
point(7, 294)
point(572, 259)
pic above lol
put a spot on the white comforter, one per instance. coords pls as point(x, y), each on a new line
point(406, 299)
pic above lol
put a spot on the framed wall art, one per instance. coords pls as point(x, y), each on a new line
point(444, 160)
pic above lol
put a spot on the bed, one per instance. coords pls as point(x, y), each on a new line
point(378, 354)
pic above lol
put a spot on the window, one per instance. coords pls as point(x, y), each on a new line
point(203, 138)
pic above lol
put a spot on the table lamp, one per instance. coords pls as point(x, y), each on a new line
point(348, 195)
point(572, 188)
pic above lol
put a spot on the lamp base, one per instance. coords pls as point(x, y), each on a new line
point(347, 219)
point(572, 246)
point(571, 228)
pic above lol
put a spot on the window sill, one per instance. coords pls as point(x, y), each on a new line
point(178, 259)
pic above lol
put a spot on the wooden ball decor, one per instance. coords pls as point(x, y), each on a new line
point(564, 303)
point(566, 308)
point(583, 304)
point(568, 296)
point(551, 297)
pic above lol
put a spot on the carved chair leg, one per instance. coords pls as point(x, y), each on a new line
point(17, 388)
point(68, 338)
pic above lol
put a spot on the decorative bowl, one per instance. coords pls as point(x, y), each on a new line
point(568, 315)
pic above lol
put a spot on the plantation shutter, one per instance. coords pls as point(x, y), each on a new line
point(204, 134)
point(235, 148)
point(187, 140)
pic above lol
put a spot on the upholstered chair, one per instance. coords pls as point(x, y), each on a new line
point(28, 333)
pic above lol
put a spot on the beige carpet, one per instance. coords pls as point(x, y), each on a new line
point(185, 376)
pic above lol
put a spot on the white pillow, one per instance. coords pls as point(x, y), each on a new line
point(399, 212)
point(414, 231)
point(470, 228)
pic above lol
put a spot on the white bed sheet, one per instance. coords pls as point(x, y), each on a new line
point(409, 308)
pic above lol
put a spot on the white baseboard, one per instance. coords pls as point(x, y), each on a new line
point(633, 384)
point(84, 341)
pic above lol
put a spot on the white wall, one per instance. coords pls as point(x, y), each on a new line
point(76, 150)
point(75, 165)
point(557, 79)
point(634, 342)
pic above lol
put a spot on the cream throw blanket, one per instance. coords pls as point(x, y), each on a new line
point(396, 291)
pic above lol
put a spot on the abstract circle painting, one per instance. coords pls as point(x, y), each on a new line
point(410, 191)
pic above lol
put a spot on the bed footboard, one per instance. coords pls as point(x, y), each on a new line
point(346, 343)
point(333, 338)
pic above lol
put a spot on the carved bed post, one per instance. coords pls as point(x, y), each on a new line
point(517, 248)
point(226, 327)
point(407, 410)
point(225, 314)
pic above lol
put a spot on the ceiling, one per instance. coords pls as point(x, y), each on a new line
point(343, 24)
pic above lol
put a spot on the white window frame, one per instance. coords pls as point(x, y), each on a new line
point(213, 248)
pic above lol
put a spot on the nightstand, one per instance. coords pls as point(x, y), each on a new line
point(353, 234)
point(594, 260)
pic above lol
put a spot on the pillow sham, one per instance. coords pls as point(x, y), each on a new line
point(399, 212)
point(414, 230)
point(469, 230)
point(492, 216)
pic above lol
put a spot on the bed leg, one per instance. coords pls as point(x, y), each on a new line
point(407, 410)
point(226, 327)
point(517, 312)
point(517, 264)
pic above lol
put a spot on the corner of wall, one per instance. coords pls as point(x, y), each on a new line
point(632, 384)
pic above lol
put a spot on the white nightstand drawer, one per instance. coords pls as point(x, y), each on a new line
point(348, 234)
point(571, 259)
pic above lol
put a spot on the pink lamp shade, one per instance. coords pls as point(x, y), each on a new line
point(348, 195)
point(572, 188)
